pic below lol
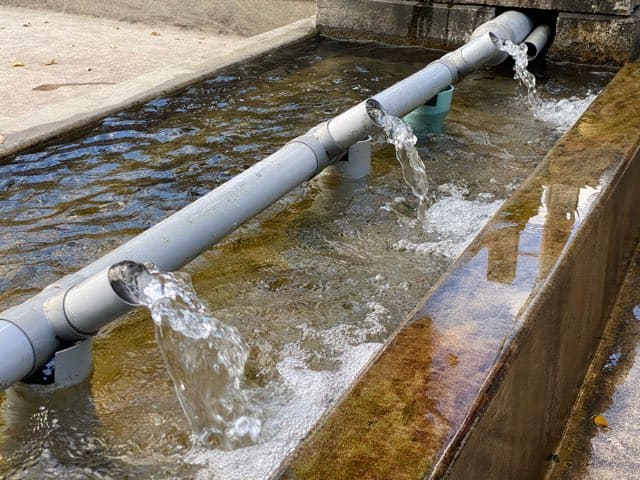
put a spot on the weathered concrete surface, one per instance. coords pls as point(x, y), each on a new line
point(611, 389)
point(63, 56)
point(610, 7)
point(243, 17)
point(596, 39)
point(610, 38)
point(41, 124)
point(401, 22)
point(480, 381)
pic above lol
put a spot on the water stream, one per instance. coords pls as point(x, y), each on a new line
point(400, 135)
point(519, 54)
point(204, 357)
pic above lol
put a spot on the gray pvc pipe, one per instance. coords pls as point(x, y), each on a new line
point(537, 40)
point(17, 353)
point(412, 92)
point(78, 305)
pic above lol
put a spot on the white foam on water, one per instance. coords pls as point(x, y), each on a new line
point(562, 114)
point(304, 396)
point(453, 222)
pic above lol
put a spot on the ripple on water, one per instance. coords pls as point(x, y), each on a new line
point(315, 284)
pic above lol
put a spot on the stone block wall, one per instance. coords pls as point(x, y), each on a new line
point(599, 32)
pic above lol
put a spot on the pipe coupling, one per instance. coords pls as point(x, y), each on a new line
point(80, 311)
point(324, 149)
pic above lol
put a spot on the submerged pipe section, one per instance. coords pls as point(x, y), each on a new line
point(78, 305)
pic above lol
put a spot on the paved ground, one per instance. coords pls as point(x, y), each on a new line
point(48, 57)
point(245, 17)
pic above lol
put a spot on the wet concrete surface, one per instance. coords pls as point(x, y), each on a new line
point(591, 449)
point(483, 376)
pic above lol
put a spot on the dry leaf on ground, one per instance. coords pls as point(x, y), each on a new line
point(50, 62)
point(17, 63)
point(2, 139)
point(155, 34)
point(600, 421)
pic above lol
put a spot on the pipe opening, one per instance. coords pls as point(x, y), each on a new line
point(496, 40)
point(123, 278)
point(537, 41)
point(375, 111)
point(532, 50)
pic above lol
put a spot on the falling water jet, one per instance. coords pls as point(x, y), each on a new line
point(400, 135)
point(520, 55)
point(204, 357)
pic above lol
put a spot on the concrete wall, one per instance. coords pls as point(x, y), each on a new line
point(600, 32)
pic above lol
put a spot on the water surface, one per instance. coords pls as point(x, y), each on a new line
point(315, 284)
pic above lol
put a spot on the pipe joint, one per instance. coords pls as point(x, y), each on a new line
point(80, 311)
point(18, 354)
point(453, 71)
point(323, 135)
point(320, 142)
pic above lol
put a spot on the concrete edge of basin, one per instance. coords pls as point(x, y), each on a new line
point(60, 119)
point(483, 375)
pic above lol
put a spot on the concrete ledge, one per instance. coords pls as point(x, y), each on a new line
point(480, 381)
point(436, 25)
point(596, 39)
point(609, 7)
point(56, 120)
point(582, 37)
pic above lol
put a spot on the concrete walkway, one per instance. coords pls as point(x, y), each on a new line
point(60, 71)
point(49, 57)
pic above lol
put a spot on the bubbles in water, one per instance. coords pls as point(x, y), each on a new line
point(562, 114)
point(400, 135)
point(205, 358)
point(451, 224)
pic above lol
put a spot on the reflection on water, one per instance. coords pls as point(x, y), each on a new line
point(314, 284)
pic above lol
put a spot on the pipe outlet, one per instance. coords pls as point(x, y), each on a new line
point(511, 25)
point(537, 40)
point(124, 280)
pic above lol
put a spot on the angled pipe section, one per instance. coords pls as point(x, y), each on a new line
point(78, 305)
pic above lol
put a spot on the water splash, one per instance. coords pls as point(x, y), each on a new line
point(562, 114)
point(521, 61)
point(205, 358)
point(400, 135)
